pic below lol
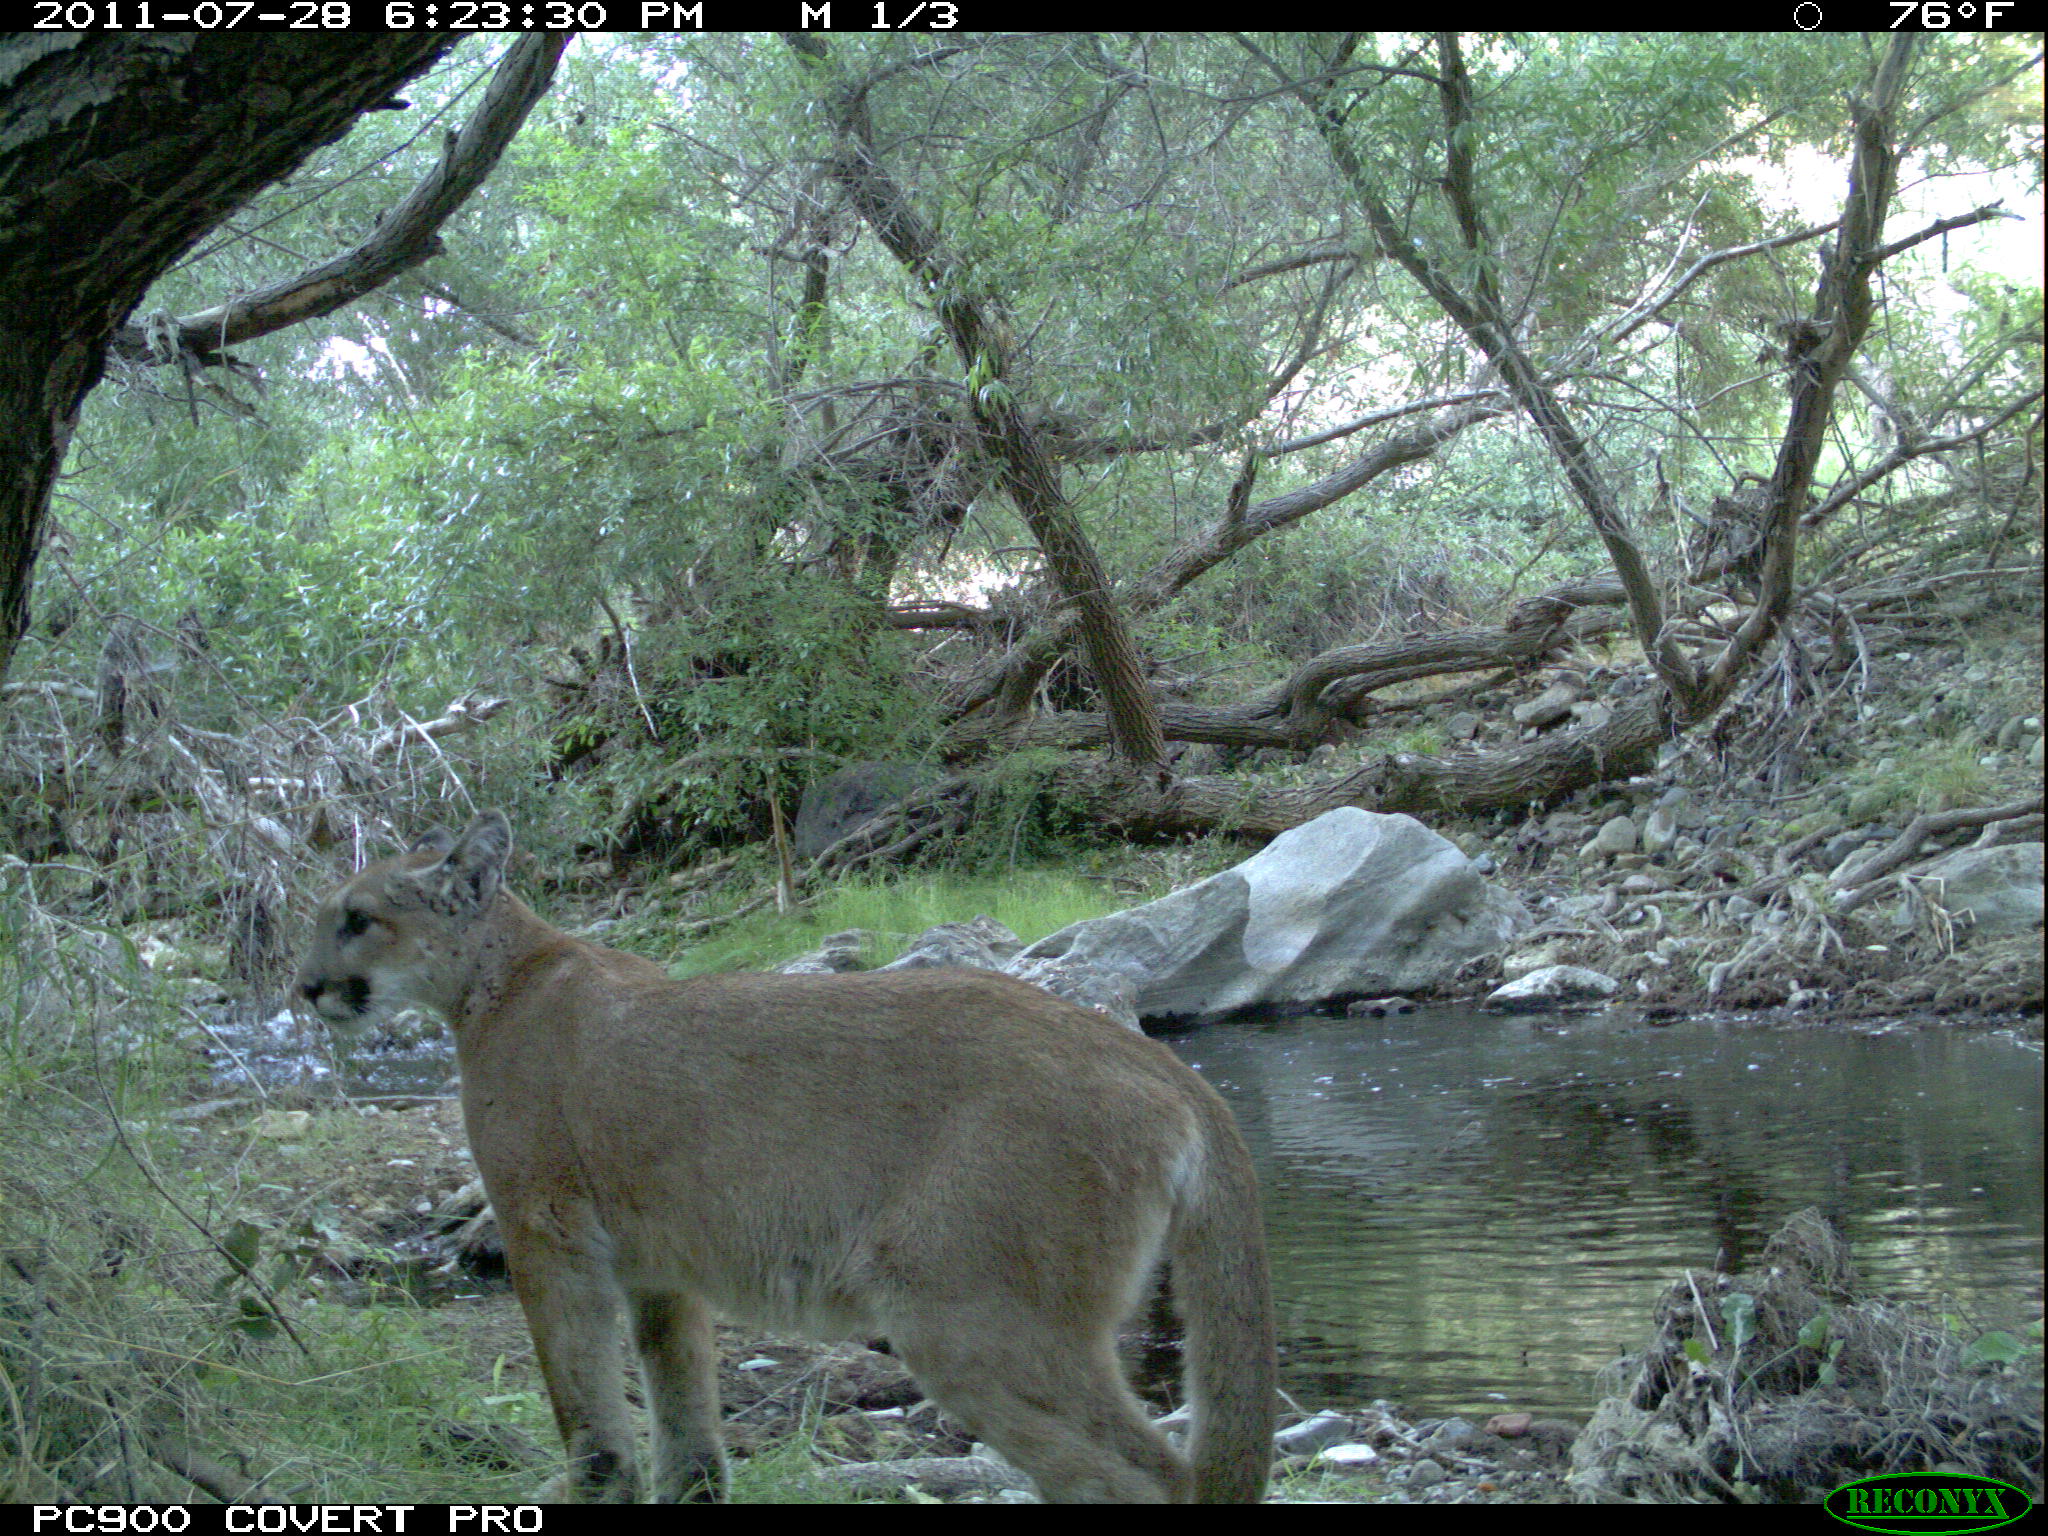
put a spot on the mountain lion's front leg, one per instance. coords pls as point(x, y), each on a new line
point(679, 1360)
point(571, 1304)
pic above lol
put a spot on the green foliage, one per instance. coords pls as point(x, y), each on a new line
point(144, 1295)
point(1029, 902)
point(771, 680)
point(450, 485)
point(612, 434)
point(1996, 1348)
point(607, 438)
point(1021, 816)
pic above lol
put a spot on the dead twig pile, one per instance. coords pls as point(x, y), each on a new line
point(1783, 1382)
point(120, 805)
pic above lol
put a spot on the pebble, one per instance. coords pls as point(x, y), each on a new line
point(1425, 1474)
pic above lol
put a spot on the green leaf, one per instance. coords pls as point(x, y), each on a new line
point(1995, 1348)
point(241, 1243)
point(1816, 1329)
point(1739, 1308)
point(256, 1320)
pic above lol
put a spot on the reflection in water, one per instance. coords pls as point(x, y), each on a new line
point(1467, 1211)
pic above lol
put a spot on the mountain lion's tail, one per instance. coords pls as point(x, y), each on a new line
point(1218, 1250)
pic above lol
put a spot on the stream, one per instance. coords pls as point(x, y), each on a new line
point(1469, 1212)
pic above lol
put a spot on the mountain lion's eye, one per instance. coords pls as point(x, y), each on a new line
point(353, 923)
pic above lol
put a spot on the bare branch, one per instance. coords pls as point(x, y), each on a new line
point(1903, 453)
point(1290, 264)
point(1860, 883)
point(405, 239)
point(1634, 319)
point(464, 714)
point(1943, 226)
point(1374, 418)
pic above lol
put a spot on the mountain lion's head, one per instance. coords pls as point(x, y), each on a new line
point(402, 932)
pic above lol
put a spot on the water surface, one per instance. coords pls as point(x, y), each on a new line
point(1468, 1212)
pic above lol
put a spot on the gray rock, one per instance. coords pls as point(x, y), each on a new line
point(1660, 831)
point(1353, 1454)
point(1452, 1435)
point(1590, 715)
point(1554, 986)
point(1379, 1007)
point(1550, 706)
point(1108, 992)
point(1835, 851)
point(1683, 805)
point(983, 944)
point(1351, 902)
point(1462, 726)
point(1561, 827)
point(1617, 835)
point(1531, 960)
point(1312, 1435)
point(1998, 888)
point(838, 952)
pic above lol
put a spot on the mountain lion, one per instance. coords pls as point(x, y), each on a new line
point(975, 1169)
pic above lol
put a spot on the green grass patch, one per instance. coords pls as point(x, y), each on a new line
point(1031, 903)
point(1922, 778)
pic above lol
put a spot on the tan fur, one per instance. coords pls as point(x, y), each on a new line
point(980, 1172)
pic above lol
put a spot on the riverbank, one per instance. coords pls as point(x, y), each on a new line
point(293, 1261)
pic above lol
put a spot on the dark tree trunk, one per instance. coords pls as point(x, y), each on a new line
point(117, 153)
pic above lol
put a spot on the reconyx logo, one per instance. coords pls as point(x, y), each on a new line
point(1927, 1501)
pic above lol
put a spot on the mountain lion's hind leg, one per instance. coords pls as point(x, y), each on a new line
point(1054, 1403)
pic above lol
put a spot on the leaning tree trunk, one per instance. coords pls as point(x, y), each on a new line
point(117, 153)
point(980, 336)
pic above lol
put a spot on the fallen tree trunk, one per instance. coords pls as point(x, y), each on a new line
point(1335, 686)
point(1539, 773)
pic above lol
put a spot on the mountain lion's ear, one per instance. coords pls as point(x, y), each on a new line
point(476, 864)
point(470, 868)
point(435, 840)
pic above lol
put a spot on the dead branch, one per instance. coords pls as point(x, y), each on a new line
point(466, 713)
point(1633, 319)
point(1297, 713)
point(1016, 674)
point(1905, 451)
point(169, 1446)
point(1861, 882)
point(51, 689)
